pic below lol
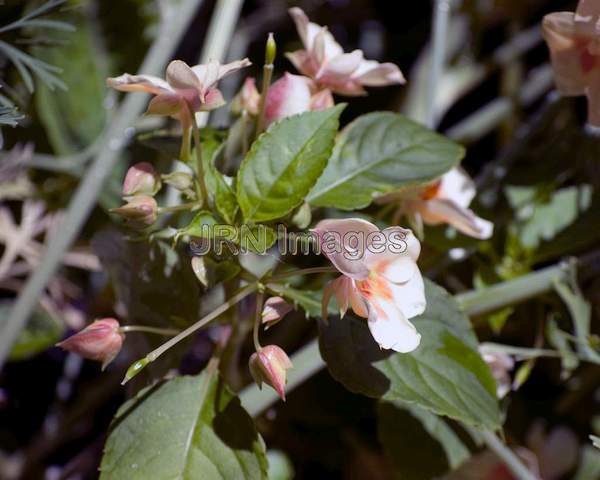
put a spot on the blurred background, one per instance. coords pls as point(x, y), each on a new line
point(534, 163)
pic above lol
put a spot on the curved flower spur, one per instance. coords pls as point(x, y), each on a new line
point(380, 278)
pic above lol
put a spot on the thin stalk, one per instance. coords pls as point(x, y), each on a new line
point(509, 458)
point(178, 208)
point(243, 293)
point(303, 271)
point(260, 121)
point(184, 154)
point(520, 352)
point(199, 162)
point(257, 320)
point(170, 332)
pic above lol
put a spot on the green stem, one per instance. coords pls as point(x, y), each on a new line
point(509, 458)
point(178, 208)
point(143, 328)
point(520, 352)
point(243, 293)
point(260, 121)
point(199, 162)
point(303, 271)
point(257, 320)
point(186, 139)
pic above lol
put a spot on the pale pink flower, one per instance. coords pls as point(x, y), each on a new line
point(274, 309)
point(141, 179)
point(574, 43)
point(290, 95)
point(501, 364)
point(269, 365)
point(381, 280)
point(447, 201)
point(101, 341)
point(186, 89)
point(324, 60)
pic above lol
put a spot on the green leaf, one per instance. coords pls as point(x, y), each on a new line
point(420, 445)
point(378, 153)
point(73, 119)
point(284, 164)
point(185, 428)
point(445, 375)
point(201, 226)
point(42, 332)
point(220, 194)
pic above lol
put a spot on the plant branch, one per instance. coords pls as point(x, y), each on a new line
point(199, 162)
point(509, 458)
point(84, 199)
point(143, 328)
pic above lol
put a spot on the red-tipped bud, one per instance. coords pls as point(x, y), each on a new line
point(141, 179)
point(269, 365)
point(101, 341)
point(140, 212)
point(274, 310)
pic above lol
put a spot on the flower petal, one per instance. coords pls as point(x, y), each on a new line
point(213, 99)
point(303, 63)
point(457, 186)
point(559, 32)
point(343, 241)
point(166, 104)
point(181, 77)
point(587, 17)
point(340, 67)
point(139, 83)
point(322, 100)
point(375, 74)
point(463, 219)
point(409, 297)
point(307, 31)
point(391, 329)
point(287, 96)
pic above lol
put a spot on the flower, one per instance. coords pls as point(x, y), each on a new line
point(324, 60)
point(185, 90)
point(142, 179)
point(574, 43)
point(500, 365)
point(290, 95)
point(447, 201)
point(141, 211)
point(381, 280)
point(101, 341)
point(274, 309)
point(269, 365)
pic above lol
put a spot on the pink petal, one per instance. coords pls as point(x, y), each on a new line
point(321, 100)
point(446, 211)
point(287, 96)
point(274, 309)
point(343, 241)
point(390, 328)
point(212, 100)
point(139, 83)
point(387, 250)
point(587, 17)
point(181, 77)
point(166, 104)
point(340, 67)
point(375, 74)
point(303, 63)
point(559, 32)
point(307, 31)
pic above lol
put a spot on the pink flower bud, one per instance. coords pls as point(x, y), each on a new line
point(247, 99)
point(141, 179)
point(274, 310)
point(140, 212)
point(100, 341)
point(269, 365)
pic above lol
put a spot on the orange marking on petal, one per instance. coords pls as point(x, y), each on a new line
point(432, 191)
point(375, 287)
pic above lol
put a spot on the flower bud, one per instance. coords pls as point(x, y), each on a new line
point(141, 179)
point(181, 181)
point(140, 212)
point(269, 365)
point(100, 341)
point(247, 99)
point(270, 50)
point(274, 310)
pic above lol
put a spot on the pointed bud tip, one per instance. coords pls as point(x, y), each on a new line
point(270, 50)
